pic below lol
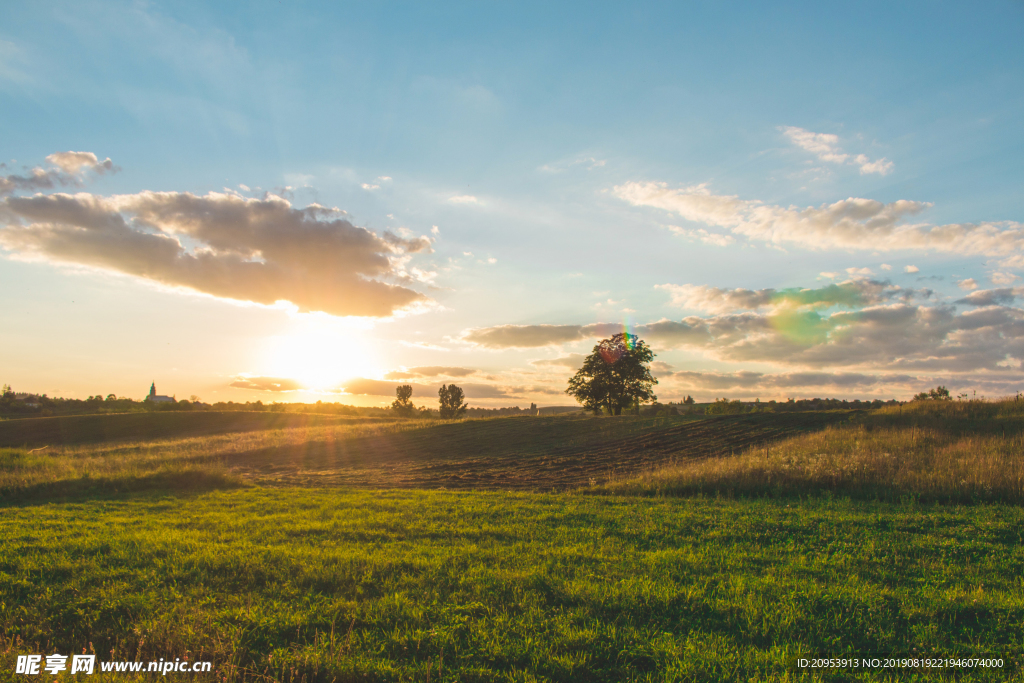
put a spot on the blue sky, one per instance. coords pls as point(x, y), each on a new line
point(578, 167)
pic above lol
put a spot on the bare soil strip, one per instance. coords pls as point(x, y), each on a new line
point(556, 454)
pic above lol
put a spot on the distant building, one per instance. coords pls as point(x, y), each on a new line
point(29, 400)
point(153, 398)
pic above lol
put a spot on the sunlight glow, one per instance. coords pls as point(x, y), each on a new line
point(321, 352)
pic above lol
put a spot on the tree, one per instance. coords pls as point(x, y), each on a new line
point(451, 402)
point(939, 393)
point(402, 405)
point(615, 376)
point(723, 406)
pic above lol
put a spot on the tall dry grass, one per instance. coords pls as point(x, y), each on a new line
point(861, 461)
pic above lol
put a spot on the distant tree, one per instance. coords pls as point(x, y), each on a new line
point(939, 393)
point(402, 406)
point(451, 404)
point(688, 401)
point(615, 376)
point(723, 406)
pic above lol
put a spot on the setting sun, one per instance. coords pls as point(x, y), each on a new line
point(320, 354)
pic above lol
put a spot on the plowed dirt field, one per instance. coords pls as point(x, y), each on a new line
point(529, 453)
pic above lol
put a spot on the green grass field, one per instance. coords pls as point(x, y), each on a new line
point(319, 585)
point(331, 552)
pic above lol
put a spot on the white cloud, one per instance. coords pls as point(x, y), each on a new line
point(847, 224)
point(384, 178)
point(523, 336)
point(896, 337)
point(882, 166)
point(274, 384)
point(661, 367)
point(430, 371)
point(75, 163)
point(464, 199)
point(572, 360)
point(911, 269)
point(992, 297)
point(968, 284)
point(886, 266)
point(757, 381)
point(376, 387)
point(69, 169)
point(852, 293)
point(1003, 278)
point(715, 300)
point(435, 230)
point(367, 186)
point(859, 271)
point(825, 146)
point(225, 245)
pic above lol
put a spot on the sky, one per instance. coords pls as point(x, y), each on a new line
point(319, 201)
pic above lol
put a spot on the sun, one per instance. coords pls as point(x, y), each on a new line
point(321, 354)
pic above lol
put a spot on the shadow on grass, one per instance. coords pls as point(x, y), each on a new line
point(802, 491)
point(175, 482)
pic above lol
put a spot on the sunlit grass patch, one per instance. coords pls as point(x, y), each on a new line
point(120, 465)
point(886, 463)
point(385, 586)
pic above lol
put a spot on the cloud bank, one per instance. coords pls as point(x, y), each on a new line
point(852, 223)
point(424, 393)
point(267, 384)
point(222, 244)
point(886, 337)
point(852, 293)
point(430, 371)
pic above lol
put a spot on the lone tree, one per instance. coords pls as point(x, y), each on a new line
point(451, 402)
point(615, 376)
point(402, 405)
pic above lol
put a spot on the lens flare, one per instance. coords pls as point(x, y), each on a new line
point(801, 326)
point(625, 342)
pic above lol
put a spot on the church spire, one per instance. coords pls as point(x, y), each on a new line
point(152, 389)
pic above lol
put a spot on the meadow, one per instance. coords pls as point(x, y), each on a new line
point(523, 453)
point(319, 585)
point(952, 452)
point(567, 548)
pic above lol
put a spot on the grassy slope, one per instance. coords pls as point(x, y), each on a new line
point(77, 429)
point(507, 453)
point(375, 586)
point(948, 452)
